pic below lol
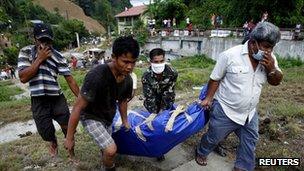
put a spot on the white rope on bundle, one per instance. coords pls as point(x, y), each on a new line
point(179, 109)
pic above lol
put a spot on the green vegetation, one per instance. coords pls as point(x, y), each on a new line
point(64, 33)
point(15, 24)
point(290, 62)
point(140, 32)
point(16, 110)
point(79, 77)
point(7, 91)
point(103, 10)
point(12, 110)
point(192, 71)
point(161, 10)
point(290, 109)
point(21, 154)
point(234, 12)
point(198, 61)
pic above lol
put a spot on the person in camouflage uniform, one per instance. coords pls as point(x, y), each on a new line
point(158, 83)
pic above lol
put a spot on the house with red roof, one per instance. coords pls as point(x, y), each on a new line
point(127, 19)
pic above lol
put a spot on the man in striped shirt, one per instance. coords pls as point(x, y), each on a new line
point(39, 65)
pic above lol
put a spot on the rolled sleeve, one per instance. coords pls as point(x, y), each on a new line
point(220, 68)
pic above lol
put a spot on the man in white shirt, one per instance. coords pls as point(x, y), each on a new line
point(233, 93)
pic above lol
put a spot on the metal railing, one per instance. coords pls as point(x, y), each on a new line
point(286, 33)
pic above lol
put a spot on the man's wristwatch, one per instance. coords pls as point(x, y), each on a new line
point(272, 73)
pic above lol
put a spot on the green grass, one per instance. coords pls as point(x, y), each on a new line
point(192, 71)
point(190, 77)
point(7, 90)
point(17, 110)
point(32, 151)
point(6, 83)
point(198, 61)
point(139, 72)
point(289, 109)
point(78, 75)
point(276, 149)
point(290, 62)
point(12, 110)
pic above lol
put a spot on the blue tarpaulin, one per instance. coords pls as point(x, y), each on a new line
point(160, 140)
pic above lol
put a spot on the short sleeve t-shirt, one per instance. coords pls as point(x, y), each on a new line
point(102, 92)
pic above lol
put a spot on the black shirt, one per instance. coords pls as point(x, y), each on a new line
point(102, 92)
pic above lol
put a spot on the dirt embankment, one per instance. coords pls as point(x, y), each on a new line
point(69, 10)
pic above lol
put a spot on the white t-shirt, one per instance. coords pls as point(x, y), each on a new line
point(240, 86)
point(134, 78)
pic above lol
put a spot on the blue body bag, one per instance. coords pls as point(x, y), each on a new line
point(158, 141)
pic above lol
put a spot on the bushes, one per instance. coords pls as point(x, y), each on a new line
point(65, 33)
point(192, 71)
point(197, 61)
point(290, 62)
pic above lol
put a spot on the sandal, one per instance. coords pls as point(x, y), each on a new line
point(200, 160)
point(220, 150)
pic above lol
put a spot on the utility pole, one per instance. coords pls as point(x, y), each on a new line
point(77, 39)
point(67, 14)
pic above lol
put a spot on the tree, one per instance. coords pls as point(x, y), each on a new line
point(3, 16)
point(11, 55)
point(119, 5)
point(8, 6)
point(86, 5)
point(235, 13)
point(65, 33)
point(140, 32)
point(161, 10)
point(102, 12)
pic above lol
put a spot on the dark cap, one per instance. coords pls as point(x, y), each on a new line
point(42, 30)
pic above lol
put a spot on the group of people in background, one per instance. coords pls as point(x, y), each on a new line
point(216, 20)
point(7, 73)
point(250, 25)
point(232, 97)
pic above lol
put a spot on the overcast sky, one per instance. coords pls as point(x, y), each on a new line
point(139, 2)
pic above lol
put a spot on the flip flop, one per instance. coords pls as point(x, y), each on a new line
point(220, 150)
point(198, 159)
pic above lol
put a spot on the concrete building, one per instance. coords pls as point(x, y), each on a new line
point(127, 19)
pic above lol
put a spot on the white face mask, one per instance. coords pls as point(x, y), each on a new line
point(158, 68)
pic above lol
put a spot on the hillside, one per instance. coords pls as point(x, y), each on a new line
point(68, 9)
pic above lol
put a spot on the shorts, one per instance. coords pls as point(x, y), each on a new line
point(99, 132)
point(47, 108)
